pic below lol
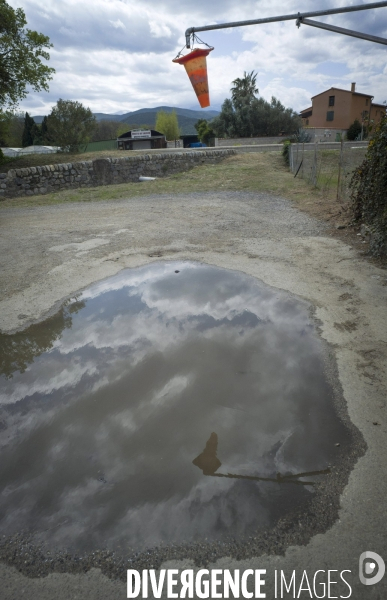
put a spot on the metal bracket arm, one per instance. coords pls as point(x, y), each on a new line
point(356, 34)
point(296, 17)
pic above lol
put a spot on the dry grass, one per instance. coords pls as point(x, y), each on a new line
point(260, 171)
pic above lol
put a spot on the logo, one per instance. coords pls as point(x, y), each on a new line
point(372, 564)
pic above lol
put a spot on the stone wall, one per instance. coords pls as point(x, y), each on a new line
point(102, 171)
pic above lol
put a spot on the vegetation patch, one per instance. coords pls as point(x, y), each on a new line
point(369, 191)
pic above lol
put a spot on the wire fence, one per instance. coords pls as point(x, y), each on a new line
point(328, 167)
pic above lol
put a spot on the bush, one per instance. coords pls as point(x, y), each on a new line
point(3, 159)
point(368, 190)
point(302, 136)
point(285, 150)
point(354, 130)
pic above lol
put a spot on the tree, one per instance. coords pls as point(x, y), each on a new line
point(11, 129)
point(205, 132)
point(106, 130)
point(244, 90)
point(70, 124)
point(354, 130)
point(28, 131)
point(44, 131)
point(21, 54)
point(168, 124)
point(245, 115)
point(224, 124)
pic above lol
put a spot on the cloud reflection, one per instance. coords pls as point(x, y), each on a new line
point(101, 429)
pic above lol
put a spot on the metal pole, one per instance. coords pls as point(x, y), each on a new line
point(356, 34)
point(315, 166)
point(319, 13)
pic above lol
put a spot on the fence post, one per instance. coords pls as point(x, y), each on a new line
point(314, 172)
point(340, 165)
point(302, 160)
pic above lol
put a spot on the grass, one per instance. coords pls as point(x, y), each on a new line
point(251, 172)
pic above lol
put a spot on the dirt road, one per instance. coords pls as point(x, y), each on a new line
point(49, 253)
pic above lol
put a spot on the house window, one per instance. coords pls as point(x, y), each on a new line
point(331, 101)
point(330, 115)
point(366, 101)
point(307, 122)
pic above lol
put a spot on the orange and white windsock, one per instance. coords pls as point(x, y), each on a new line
point(195, 64)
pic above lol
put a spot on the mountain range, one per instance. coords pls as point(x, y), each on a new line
point(147, 116)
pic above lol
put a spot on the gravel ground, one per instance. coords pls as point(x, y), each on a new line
point(49, 253)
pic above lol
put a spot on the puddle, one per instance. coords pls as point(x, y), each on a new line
point(173, 403)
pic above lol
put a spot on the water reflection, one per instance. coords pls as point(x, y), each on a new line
point(209, 463)
point(20, 349)
point(99, 431)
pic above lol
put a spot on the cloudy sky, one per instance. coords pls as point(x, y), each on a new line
point(116, 56)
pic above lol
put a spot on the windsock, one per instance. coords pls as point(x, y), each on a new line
point(195, 64)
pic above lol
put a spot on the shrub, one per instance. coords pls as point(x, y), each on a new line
point(285, 150)
point(368, 190)
point(302, 136)
point(354, 130)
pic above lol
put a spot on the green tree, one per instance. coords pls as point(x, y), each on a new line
point(106, 130)
point(354, 130)
point(44, 131)
point(21, 54)
point(245, 115)
point(28, 131)
point(244, 90)
point(4, 127)
point(11, 129)
point(70, 125)
point(167, 123)
point(205, 132)
point(224, 124)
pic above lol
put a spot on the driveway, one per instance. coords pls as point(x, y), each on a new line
point(49, 253)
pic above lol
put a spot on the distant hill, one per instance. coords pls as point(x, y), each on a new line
point(147, 116)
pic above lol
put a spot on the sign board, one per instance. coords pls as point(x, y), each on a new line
point(141, 133)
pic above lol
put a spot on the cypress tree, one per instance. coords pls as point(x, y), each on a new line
point(27, 139)
point(44, 131)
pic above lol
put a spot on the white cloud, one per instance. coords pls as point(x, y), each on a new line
point(117, 24)
point(118, 57)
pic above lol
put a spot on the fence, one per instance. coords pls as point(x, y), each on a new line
point(328, 167)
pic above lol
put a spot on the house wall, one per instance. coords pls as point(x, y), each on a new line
point(359, 105)
point(103, 171)
point(377, 113)
point(348, 106)
point(341, 109)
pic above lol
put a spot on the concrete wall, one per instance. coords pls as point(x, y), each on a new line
point(251, 141)
point(324, 134)
point(103, 171)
